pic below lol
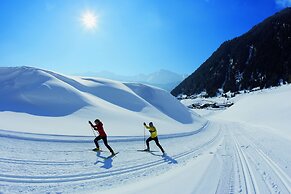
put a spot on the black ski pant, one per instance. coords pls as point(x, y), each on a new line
point(105, 142)
point(157, 142)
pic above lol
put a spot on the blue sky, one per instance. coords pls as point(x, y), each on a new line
point(131, 36)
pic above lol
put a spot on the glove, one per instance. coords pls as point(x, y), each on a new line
point(144, 124)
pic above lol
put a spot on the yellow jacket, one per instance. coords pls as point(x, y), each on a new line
point(153, 131)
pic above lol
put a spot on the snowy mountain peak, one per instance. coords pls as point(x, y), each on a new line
point(163, 78)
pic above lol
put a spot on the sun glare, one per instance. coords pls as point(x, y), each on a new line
point(89, 20)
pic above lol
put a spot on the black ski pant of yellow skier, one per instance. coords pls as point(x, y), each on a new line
point(157, 142)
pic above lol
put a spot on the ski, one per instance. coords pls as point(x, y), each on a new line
point(147, 151)
point(112, 155)
point(154, 152)
point(94, 150)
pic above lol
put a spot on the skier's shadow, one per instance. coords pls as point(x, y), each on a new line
point(107, 162)
point(168, 159)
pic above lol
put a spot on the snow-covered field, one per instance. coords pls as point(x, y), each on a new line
point(244, 149)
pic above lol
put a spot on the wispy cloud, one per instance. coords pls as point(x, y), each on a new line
point(283, 3)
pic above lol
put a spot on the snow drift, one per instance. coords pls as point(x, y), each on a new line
point(37, 92)
point(269, 108)
point(48, 102)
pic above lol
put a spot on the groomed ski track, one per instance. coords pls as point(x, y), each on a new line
point(236, 162)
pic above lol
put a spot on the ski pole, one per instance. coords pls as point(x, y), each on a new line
point(93, 131)
point(144, 137)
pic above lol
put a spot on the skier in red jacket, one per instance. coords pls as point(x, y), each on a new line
point(102, 135)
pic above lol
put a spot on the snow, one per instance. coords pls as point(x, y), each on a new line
point(269, 108)
point(162, 78)
point(51, 103)
point(47, 149)
point(169, 182)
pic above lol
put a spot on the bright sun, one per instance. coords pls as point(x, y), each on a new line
point(89, 20)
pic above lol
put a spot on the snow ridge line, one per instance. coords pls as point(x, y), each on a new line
point(87, 139)
point(246, 169)
point(283, 177)
point(90, 176)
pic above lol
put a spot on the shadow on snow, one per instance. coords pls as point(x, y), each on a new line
point(107, 162)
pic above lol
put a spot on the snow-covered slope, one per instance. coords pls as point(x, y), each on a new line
point(269, 108)
point(46, 102)
point(220, 156)
point(38, 92)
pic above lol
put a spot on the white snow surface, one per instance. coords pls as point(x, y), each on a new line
point(268, 108)
point(45, 102)
point(230, 153)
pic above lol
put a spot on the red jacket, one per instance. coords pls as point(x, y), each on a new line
point(99, 128)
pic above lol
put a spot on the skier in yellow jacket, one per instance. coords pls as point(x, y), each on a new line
point(154, 136)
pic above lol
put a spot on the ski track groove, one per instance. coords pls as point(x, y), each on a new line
point(97, 175)
point(38, 162)
point(281, 176)
point(252, 170)
point(86, 139)
point(248, 164)
point(248, 176)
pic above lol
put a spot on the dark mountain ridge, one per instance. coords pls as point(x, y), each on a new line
point(259, 58)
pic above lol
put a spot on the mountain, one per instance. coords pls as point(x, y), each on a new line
point(259, 58)
point(164, 79)
point(49, 102)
